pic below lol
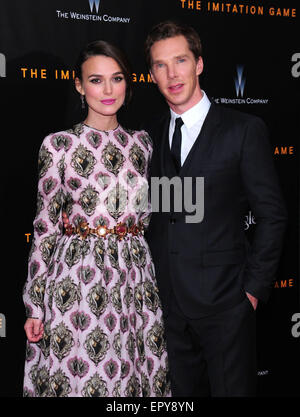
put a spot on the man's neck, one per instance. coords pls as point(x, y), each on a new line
point(180, 109)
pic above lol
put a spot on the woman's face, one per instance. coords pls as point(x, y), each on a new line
point(103, 84)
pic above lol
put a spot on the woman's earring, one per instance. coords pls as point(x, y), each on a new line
point(82, 101)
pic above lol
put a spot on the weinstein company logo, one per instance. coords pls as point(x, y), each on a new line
point(239, 81)
point(96, 3)
point(94, 6)
point(239, 84)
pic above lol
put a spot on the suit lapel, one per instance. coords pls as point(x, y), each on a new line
point(204, 141)
point(199, 150)
point(167, 167)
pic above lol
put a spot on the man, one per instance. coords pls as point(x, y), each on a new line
point(210, 278)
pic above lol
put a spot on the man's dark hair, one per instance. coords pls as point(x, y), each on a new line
point(170, 29)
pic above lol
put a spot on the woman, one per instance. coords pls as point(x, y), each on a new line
point(94, 324)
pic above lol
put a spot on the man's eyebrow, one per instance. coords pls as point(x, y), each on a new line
point(158, 61)
point(181, 56)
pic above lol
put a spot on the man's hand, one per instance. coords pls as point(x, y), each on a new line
point(252, 300)
point(34, 329)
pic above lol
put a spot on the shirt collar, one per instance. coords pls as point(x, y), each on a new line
point(194, 114)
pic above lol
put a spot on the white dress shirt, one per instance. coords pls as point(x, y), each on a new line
point(193, 120)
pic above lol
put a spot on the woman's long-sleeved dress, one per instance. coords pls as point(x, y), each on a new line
point(97, 296)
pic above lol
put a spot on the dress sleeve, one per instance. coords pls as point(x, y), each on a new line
point(145, 189)
point(47, 225)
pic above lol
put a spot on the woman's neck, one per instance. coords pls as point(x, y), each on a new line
point(102, 123)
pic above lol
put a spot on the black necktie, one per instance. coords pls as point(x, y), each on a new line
point(176, 143)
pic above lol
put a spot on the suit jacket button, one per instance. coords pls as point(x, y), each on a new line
point(172, 221)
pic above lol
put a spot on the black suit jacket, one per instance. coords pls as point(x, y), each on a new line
point(210, 265)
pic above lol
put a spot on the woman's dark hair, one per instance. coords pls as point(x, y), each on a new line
point(106, 49)
point(170, 29)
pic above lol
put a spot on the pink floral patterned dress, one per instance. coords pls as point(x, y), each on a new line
point(97, 296)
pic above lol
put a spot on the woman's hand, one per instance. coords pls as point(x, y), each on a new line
point(34, 329)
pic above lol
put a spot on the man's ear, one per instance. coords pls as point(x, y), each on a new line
point(78, 86)
point(153, 77)
point(199, 65)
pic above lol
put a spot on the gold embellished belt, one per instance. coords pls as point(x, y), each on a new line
point(121, 230)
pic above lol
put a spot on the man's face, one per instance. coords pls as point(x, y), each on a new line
point(175, 71)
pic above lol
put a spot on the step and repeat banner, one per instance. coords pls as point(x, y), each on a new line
point(251, 63)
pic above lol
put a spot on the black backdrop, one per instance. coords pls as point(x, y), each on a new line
point(252, 63)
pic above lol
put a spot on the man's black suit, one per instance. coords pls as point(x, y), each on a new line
point(205, 269)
